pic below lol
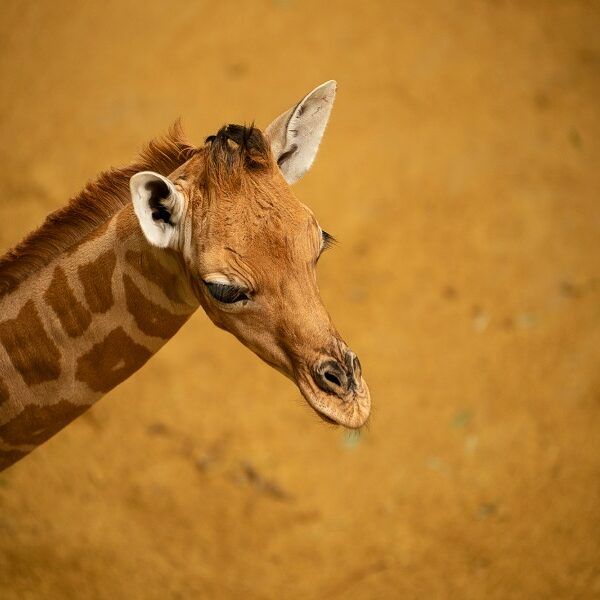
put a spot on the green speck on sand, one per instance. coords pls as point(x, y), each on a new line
point(462, 418)
point(351, 438)
point(575, 138)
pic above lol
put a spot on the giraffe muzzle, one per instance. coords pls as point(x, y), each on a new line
point(339, 378)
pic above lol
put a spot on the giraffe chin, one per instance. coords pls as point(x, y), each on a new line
point(351, 410)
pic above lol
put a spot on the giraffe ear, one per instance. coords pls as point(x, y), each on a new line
point(159, 207)
point(296, 134)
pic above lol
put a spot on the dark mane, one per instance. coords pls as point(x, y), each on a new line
point(234, 152)
point(92, 207)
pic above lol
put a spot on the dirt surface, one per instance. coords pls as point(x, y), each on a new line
point(461, 173)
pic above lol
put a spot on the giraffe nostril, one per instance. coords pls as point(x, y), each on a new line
point(356, 368)
point(331, 377)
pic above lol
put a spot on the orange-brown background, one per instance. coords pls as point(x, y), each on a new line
point(461, 173)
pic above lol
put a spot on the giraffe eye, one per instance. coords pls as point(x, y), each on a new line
point(226, 293)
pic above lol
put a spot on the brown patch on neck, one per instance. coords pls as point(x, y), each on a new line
point(148, 265)
point(10, 457)
point(96, 279)
point(36, 424)
point(88, 211)
point(33, 354)
point(4, 394)
point(111, 361)
point(71, 313)
point(152, 319)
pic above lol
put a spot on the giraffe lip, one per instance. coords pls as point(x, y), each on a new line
point(351, 411)
point(324, 417)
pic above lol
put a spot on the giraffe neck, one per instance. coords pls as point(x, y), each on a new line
point(81, 325)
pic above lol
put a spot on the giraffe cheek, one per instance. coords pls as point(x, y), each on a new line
point(111, 361)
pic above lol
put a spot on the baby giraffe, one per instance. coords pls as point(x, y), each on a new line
point(91, 295)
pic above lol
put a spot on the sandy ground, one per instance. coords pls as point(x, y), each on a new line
point(461, 174)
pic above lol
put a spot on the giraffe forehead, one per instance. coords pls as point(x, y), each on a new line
point(270, 229)
point(267, 252)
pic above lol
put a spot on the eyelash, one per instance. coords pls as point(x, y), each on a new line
point(225, 293)
point(328, 240)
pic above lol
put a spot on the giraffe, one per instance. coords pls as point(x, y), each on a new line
point(105, 282)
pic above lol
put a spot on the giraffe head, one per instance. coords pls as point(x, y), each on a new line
point(251, 248)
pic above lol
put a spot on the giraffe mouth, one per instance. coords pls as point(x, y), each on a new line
point(350, 409)
point(325, 419)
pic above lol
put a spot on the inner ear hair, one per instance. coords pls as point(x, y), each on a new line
point(159, 191)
